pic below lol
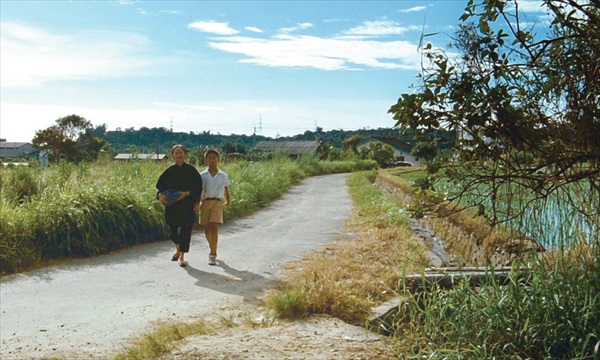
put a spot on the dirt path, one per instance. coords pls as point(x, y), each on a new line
point(89, 308)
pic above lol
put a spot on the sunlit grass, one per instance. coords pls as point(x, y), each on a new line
point(349, 277)
point(69, 210)
point(550, 308)
point(547, 310)
point(162, 340)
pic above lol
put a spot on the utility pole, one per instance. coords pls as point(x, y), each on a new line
point(157, 149)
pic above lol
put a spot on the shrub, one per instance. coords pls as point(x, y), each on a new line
point(545, 311)
point(68, 210)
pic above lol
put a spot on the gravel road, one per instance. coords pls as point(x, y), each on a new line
point(89, 308)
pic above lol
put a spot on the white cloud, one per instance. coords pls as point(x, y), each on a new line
point(334, 20)
point(143, 12)
point(190, 106)
point(171, 12)
point(33, 56)
point(414, 9)
point(531, 6)
point(380, 28)
point(20, 121)
point(127, 2)
point(301, 26)
point(322, 53)
point(265, 109)
point(253, 29)
point(214, 27)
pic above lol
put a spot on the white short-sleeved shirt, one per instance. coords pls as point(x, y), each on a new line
point(214, 186)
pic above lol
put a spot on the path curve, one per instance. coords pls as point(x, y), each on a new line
point(89, 308)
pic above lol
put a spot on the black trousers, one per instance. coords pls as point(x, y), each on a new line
point(182, 235)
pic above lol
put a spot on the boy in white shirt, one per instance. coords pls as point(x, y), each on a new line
point(215, 187)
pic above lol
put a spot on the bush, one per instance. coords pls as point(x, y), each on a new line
point(68, 210)
point(545, 311)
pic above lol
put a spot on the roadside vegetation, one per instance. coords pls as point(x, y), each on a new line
point(549, 308)
point(345, 279)
point(348, 278)
point(73, 210)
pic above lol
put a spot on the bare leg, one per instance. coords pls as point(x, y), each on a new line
point(177, 252)
point(212, 236)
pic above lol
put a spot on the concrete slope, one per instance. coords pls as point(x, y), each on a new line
point(89, 308)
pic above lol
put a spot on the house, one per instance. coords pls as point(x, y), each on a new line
point(156, 157)
point(292, 148)
point(402, 150)
point(15, 149)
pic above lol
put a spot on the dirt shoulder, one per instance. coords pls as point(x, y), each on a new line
point(91, 308)
point(247, 333)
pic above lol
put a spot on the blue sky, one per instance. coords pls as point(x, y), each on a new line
point(225, 67)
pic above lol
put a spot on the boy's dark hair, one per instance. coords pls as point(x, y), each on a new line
point(212, 151)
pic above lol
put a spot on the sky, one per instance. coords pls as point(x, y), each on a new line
point(276, 68)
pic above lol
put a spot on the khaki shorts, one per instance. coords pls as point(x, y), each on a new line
point(211, 211)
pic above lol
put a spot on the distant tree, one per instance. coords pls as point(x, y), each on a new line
point(71, 139)
point(231, 147)
point(526, 101)
point(382, 153)
point(100, 131)
point(323, 150)
point(426, 150)
point(351, 143)
point(336, 154)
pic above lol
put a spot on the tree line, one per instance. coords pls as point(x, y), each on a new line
point(73, 138)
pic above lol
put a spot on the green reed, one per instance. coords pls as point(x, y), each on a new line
point(546, 311)
point(69, 210)
point(565, 218)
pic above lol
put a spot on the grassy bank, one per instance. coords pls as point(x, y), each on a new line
point(547, 311)
point(350, 276)
point(550, 307)
point(71, 210)
point(345, 279)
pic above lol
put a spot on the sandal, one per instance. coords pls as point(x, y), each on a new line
point(175, 257)
point(183, 263)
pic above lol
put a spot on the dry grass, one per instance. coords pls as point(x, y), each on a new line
point(163, 339)
point(166, 337)
point(350, 276)
point(467, 236)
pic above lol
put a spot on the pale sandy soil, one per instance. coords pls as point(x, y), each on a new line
point(247, 333)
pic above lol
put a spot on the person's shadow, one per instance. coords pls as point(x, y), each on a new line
point(241, 282)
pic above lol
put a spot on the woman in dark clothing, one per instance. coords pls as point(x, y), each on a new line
point(180, 215)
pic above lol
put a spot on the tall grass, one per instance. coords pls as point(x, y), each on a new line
point(67, 211)
point(550, 308)
point(349, 277)
point(568, 217)
point(547, 311)
point(72, 210)
point(159, 342)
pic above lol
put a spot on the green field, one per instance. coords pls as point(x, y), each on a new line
point(69, 210)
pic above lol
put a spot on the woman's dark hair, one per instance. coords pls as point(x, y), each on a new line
point(178, 146)
point(211, 151)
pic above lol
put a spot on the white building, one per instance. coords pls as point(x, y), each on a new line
point(402, 150)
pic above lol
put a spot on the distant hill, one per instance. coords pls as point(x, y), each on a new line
point(148, 139)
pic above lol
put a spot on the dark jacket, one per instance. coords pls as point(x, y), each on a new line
point(183, 178)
